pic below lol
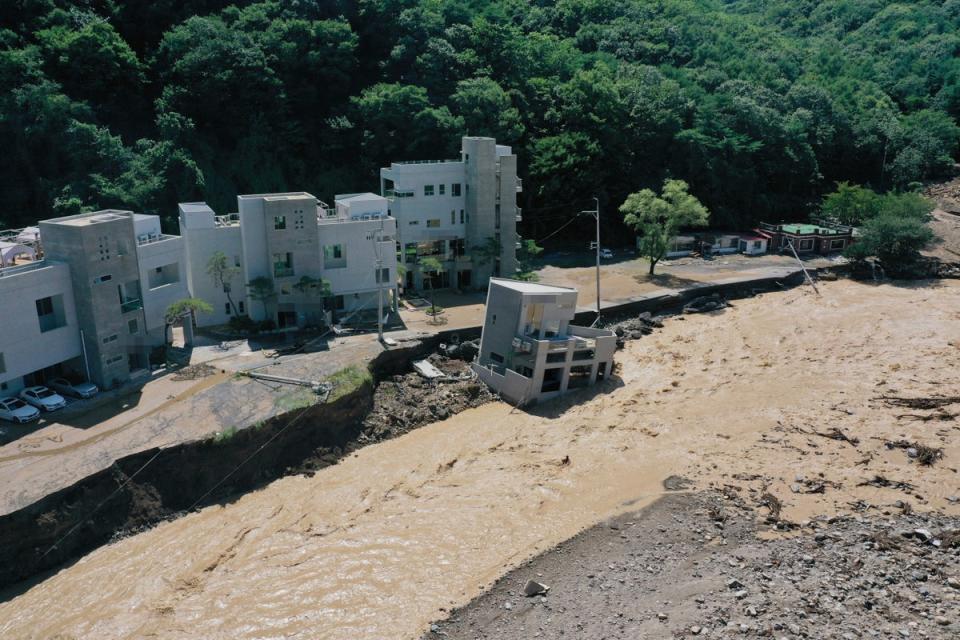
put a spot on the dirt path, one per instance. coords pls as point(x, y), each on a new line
point(401, 532)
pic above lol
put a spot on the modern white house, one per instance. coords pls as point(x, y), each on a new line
point(530, 352)
point(296, 244)
point(462, 212)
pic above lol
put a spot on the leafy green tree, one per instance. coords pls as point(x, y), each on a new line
point(526, 257)
point(429, 265)
point(659, 218)
point(185, 308)
point(486, 110)
point(895, 241)
point(851, 204)
point(261, 290)
point(222, 272)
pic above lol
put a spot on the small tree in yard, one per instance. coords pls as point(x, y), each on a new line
point(526, 254)
point(222, 273)
point(181, 308)
point(429, 264)
point(313, 287)
point(261, 290)
point(659, 218)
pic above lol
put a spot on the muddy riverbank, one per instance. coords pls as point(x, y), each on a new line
point(140, 490)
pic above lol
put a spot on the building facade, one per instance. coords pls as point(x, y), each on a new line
point(530, 352)
point(295, 244)
point(462, 212)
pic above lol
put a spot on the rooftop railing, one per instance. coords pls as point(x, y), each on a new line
point(21, 268)
point(153, 239)
point(425, 161)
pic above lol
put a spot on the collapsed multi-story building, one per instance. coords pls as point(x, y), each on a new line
point(530, 352)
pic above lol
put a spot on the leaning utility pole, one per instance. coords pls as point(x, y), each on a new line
point(596, 215)
point(376, 237)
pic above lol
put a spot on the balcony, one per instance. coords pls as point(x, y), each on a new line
point(519, 185)
point(153, 238)
point(131, 305)
point(282, 272)
point(519, 217)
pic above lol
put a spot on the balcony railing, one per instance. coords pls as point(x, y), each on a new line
point(131, 305)
point(424, 161)
point(153, 239)
point(282, 272)
point(399, 193)
point(519, 214)
point(519, 185)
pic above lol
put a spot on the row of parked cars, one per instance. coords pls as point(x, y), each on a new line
point(34, 400)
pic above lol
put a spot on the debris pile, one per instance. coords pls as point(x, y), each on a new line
point(194, 372)
point(692, 565)
point(703, 304)
point(408, 401)
point(635, 328)
point(466, 350)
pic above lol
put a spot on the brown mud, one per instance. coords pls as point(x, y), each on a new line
point(398, 533)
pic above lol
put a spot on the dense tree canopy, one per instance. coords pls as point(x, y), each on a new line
point(761, 107)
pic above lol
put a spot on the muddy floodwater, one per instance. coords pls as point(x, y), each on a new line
point(392, 537)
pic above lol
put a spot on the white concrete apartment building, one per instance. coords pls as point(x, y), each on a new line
point(294, 240)
point(450, 208)
point(93, 306)
point(530, 352)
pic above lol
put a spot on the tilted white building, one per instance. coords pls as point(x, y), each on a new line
point(296, 244)
point(462, 212)
point(530, 352)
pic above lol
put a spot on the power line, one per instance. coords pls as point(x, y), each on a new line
point(103, 502)
point(558, 230)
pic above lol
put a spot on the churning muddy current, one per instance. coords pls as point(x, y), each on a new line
point(400, 532)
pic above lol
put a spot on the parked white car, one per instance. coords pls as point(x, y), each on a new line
point(16, 410)
point(77, 390)
point(606, 254)
point(43, 398)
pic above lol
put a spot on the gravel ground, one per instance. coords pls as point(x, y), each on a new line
point(706, 564)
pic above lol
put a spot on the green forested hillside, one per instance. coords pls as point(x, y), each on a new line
point(760, 105)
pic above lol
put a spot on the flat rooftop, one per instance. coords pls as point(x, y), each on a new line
point(809, 229)
point(530, 287)
point(86, 219)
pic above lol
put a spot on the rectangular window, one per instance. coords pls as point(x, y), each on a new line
point(805, 244)
point(496, 357)
point(413, 223)
point(382, 275)
point(443, 189)
point(282, 265)
point(226, 308)
point(236, 261)
point(240, 306)
point(458, 247)
point(410, 251)
point(279, 222)
point(114, 359)
point(453, 217)
point(103, 278)
point(109, 339)
point(837, 244)
point(461, 216)
point(455, 189)
point(433, 223)
point(334, 256)
point(428, 189)
point(50, 313)
point(132, 326)
point(3, 364)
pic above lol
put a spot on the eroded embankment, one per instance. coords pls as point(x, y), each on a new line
point(139, 490)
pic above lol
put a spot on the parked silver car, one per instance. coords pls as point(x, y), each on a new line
point(43, 398)
point(77, 390)
point(16, 410)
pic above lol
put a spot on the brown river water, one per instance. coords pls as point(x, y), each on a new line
point(392, 537)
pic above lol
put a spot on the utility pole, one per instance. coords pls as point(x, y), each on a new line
point(596, 216)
